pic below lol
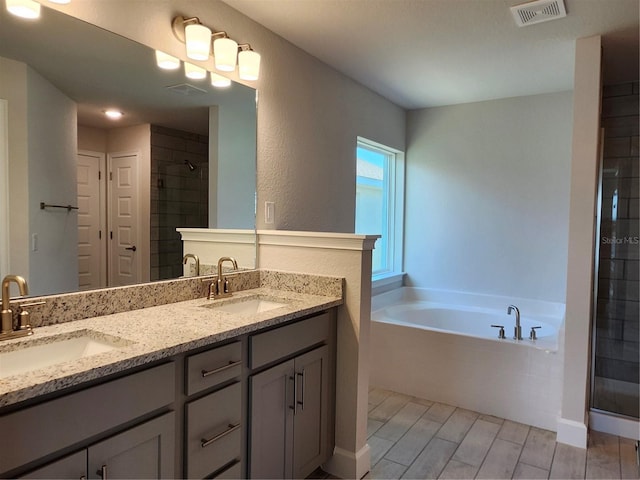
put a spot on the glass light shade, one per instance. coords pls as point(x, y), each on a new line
point(23, 8)
point(225, 53)
point(60, 2)
point(198, 40)
point(219, 81)
point(194, 72)
point(166, 61)
point(249, 65)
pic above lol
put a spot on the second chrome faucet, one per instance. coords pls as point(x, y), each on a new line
point(220, 288)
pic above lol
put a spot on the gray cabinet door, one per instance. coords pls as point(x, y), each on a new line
point(310, 425)
point(271, 434)
point(144, 451)
point(71, 466)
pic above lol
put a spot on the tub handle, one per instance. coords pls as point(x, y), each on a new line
point(501, 331)
point(532, 335)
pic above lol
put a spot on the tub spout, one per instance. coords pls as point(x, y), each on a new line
point(517, 331)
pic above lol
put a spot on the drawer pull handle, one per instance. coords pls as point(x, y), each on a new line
point(232, 428)
point(103, 472)
point(206, 373)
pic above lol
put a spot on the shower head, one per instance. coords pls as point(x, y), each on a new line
point(191, 166)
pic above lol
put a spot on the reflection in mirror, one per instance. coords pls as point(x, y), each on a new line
point(181, 156)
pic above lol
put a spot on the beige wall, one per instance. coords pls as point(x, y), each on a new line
point(13, 88)
point(493, 179)
point(309, 115)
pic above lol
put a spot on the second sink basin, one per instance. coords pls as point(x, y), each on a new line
point(249, 306)
point(34, 356)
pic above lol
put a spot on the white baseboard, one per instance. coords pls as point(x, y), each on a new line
point(572, 433)
point(623, 427)
point(345, 464)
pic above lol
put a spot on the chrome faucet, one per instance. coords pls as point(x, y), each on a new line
point(517, 331)
point(7, 330)
point(195, 259)
point(220, 288)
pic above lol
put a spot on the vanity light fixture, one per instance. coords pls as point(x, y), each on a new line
point(248, 63)
point(113, 114)
point(194, 72)
point(219, 81)
point(226, 51)
point(166, 61)
point(24, 8)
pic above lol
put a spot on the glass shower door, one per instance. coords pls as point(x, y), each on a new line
point(616, 356)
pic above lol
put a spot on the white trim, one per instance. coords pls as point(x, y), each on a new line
point(623, 427)
point(5, 266)
point(386, 278)
point(572, 433)
point(328, 240)
point(215, 235)
point(347, 464)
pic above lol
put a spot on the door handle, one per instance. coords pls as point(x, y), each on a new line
point(133, 249)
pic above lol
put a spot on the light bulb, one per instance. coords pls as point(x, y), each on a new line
point(249, 65)
point(166, 61)
point(198, 40)
point(225, 52)
point(113, 114)
point(219, 81)
point(24, 8)
point(194, 72)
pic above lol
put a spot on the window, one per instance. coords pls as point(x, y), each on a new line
point(379, 203)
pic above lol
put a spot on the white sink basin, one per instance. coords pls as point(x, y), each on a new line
point(249, 306)
point(33, 357)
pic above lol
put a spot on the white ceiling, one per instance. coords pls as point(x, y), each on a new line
point(421, 53)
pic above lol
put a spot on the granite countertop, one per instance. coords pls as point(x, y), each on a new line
point(147, 335)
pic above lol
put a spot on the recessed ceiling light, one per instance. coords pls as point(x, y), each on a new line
point(113, 114)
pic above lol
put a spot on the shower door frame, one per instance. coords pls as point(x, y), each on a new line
point(603, 420)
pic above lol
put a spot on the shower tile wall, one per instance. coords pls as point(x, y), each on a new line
point(179, 195)
point(617, 355)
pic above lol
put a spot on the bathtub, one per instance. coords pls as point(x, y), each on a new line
point(440, 345)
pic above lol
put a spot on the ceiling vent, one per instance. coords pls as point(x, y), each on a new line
point(186, 89)
point(538, 11)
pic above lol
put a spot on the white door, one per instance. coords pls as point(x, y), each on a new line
point(124, 262)
point(91, 230)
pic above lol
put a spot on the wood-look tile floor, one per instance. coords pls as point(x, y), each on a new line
point(418, 439)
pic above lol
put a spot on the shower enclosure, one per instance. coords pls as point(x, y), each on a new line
point(615, 386)
point(179, 195)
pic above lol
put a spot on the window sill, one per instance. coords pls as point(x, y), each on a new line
point(385, 279)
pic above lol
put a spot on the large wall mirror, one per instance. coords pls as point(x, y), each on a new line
point(182, 155)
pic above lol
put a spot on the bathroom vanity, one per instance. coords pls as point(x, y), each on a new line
point(232, 388)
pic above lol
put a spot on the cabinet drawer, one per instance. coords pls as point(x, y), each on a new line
point(280, 342)
point(55, 424)
point(233, 471)
point(208, 369)
point(214, 431)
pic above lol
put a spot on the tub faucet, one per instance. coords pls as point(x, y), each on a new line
point(517, 331)
point(195, 259)
point(220, 288)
